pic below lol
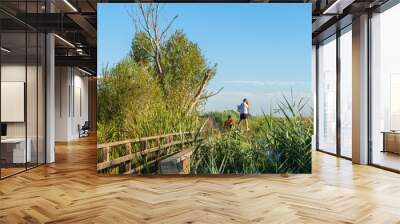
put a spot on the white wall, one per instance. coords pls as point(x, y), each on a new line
point(62, 83)
point(79, 117)
point(70, 83)
point(16, 73)
point(33, 126)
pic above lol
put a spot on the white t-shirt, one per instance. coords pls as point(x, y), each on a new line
point(244, 108)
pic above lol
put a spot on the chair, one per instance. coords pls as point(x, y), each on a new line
point(84, 130)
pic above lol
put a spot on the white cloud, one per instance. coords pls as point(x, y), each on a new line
point(265, 83)
point(245, 82)
point(275, 94)
point(260, 102)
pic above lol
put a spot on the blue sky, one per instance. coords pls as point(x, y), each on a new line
point(262, 50)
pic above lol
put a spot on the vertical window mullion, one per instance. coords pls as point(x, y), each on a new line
point(338, 80)
point(317, 96)
point(369, 89)
point(37, 90)
point(46, 36)
point(26, 86)
point(0, 92)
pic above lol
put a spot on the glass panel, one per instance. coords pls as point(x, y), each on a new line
point(386, 89)
point(31, 88)
point(327, 95)
point(31, 97)
point(41, 98)
point(23, 90)
point(13, 86)
point(314, 76)
point(2, 161)
point(346, 93)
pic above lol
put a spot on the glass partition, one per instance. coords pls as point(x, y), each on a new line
point(41, 96)
point(327, 95)
point(14, 154)
point(346, 92)
point(31, 99)
point(22, 88)
point(385, 89)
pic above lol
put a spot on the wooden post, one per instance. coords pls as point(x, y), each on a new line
point(170, 140)
point(158, 152)
point(146, 146)
point(108, 153)
point(183, 141)
point(186, 166)
point(128, 165)
point(128, 148)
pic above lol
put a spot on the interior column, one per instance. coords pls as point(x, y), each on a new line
point(50, 92)
point(360, 90)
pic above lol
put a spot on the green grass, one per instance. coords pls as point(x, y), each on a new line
point(276, 143)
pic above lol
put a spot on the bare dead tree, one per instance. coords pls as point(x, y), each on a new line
point(147, 22)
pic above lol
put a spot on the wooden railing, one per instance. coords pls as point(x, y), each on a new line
point(154, 148)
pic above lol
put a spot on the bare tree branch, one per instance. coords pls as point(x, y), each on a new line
point(208, 74)
point(149, 24)
point(150, 17)
point(211, 94)
point(146, 26)
point(168, 27)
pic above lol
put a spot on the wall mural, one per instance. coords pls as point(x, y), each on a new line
point(204, 89)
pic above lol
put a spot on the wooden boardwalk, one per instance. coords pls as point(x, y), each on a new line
point(135, 155)
point(71, 191)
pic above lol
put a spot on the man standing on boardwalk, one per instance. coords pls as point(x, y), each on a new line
point(244, 113)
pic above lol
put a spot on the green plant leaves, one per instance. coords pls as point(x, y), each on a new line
point(277, 143)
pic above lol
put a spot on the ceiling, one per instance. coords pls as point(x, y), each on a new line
point(332, 15)
point(73, 21)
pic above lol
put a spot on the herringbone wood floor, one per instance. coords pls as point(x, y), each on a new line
point(70, 191)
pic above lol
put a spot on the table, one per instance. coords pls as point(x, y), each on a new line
point(13, 150)
point(391, 141)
